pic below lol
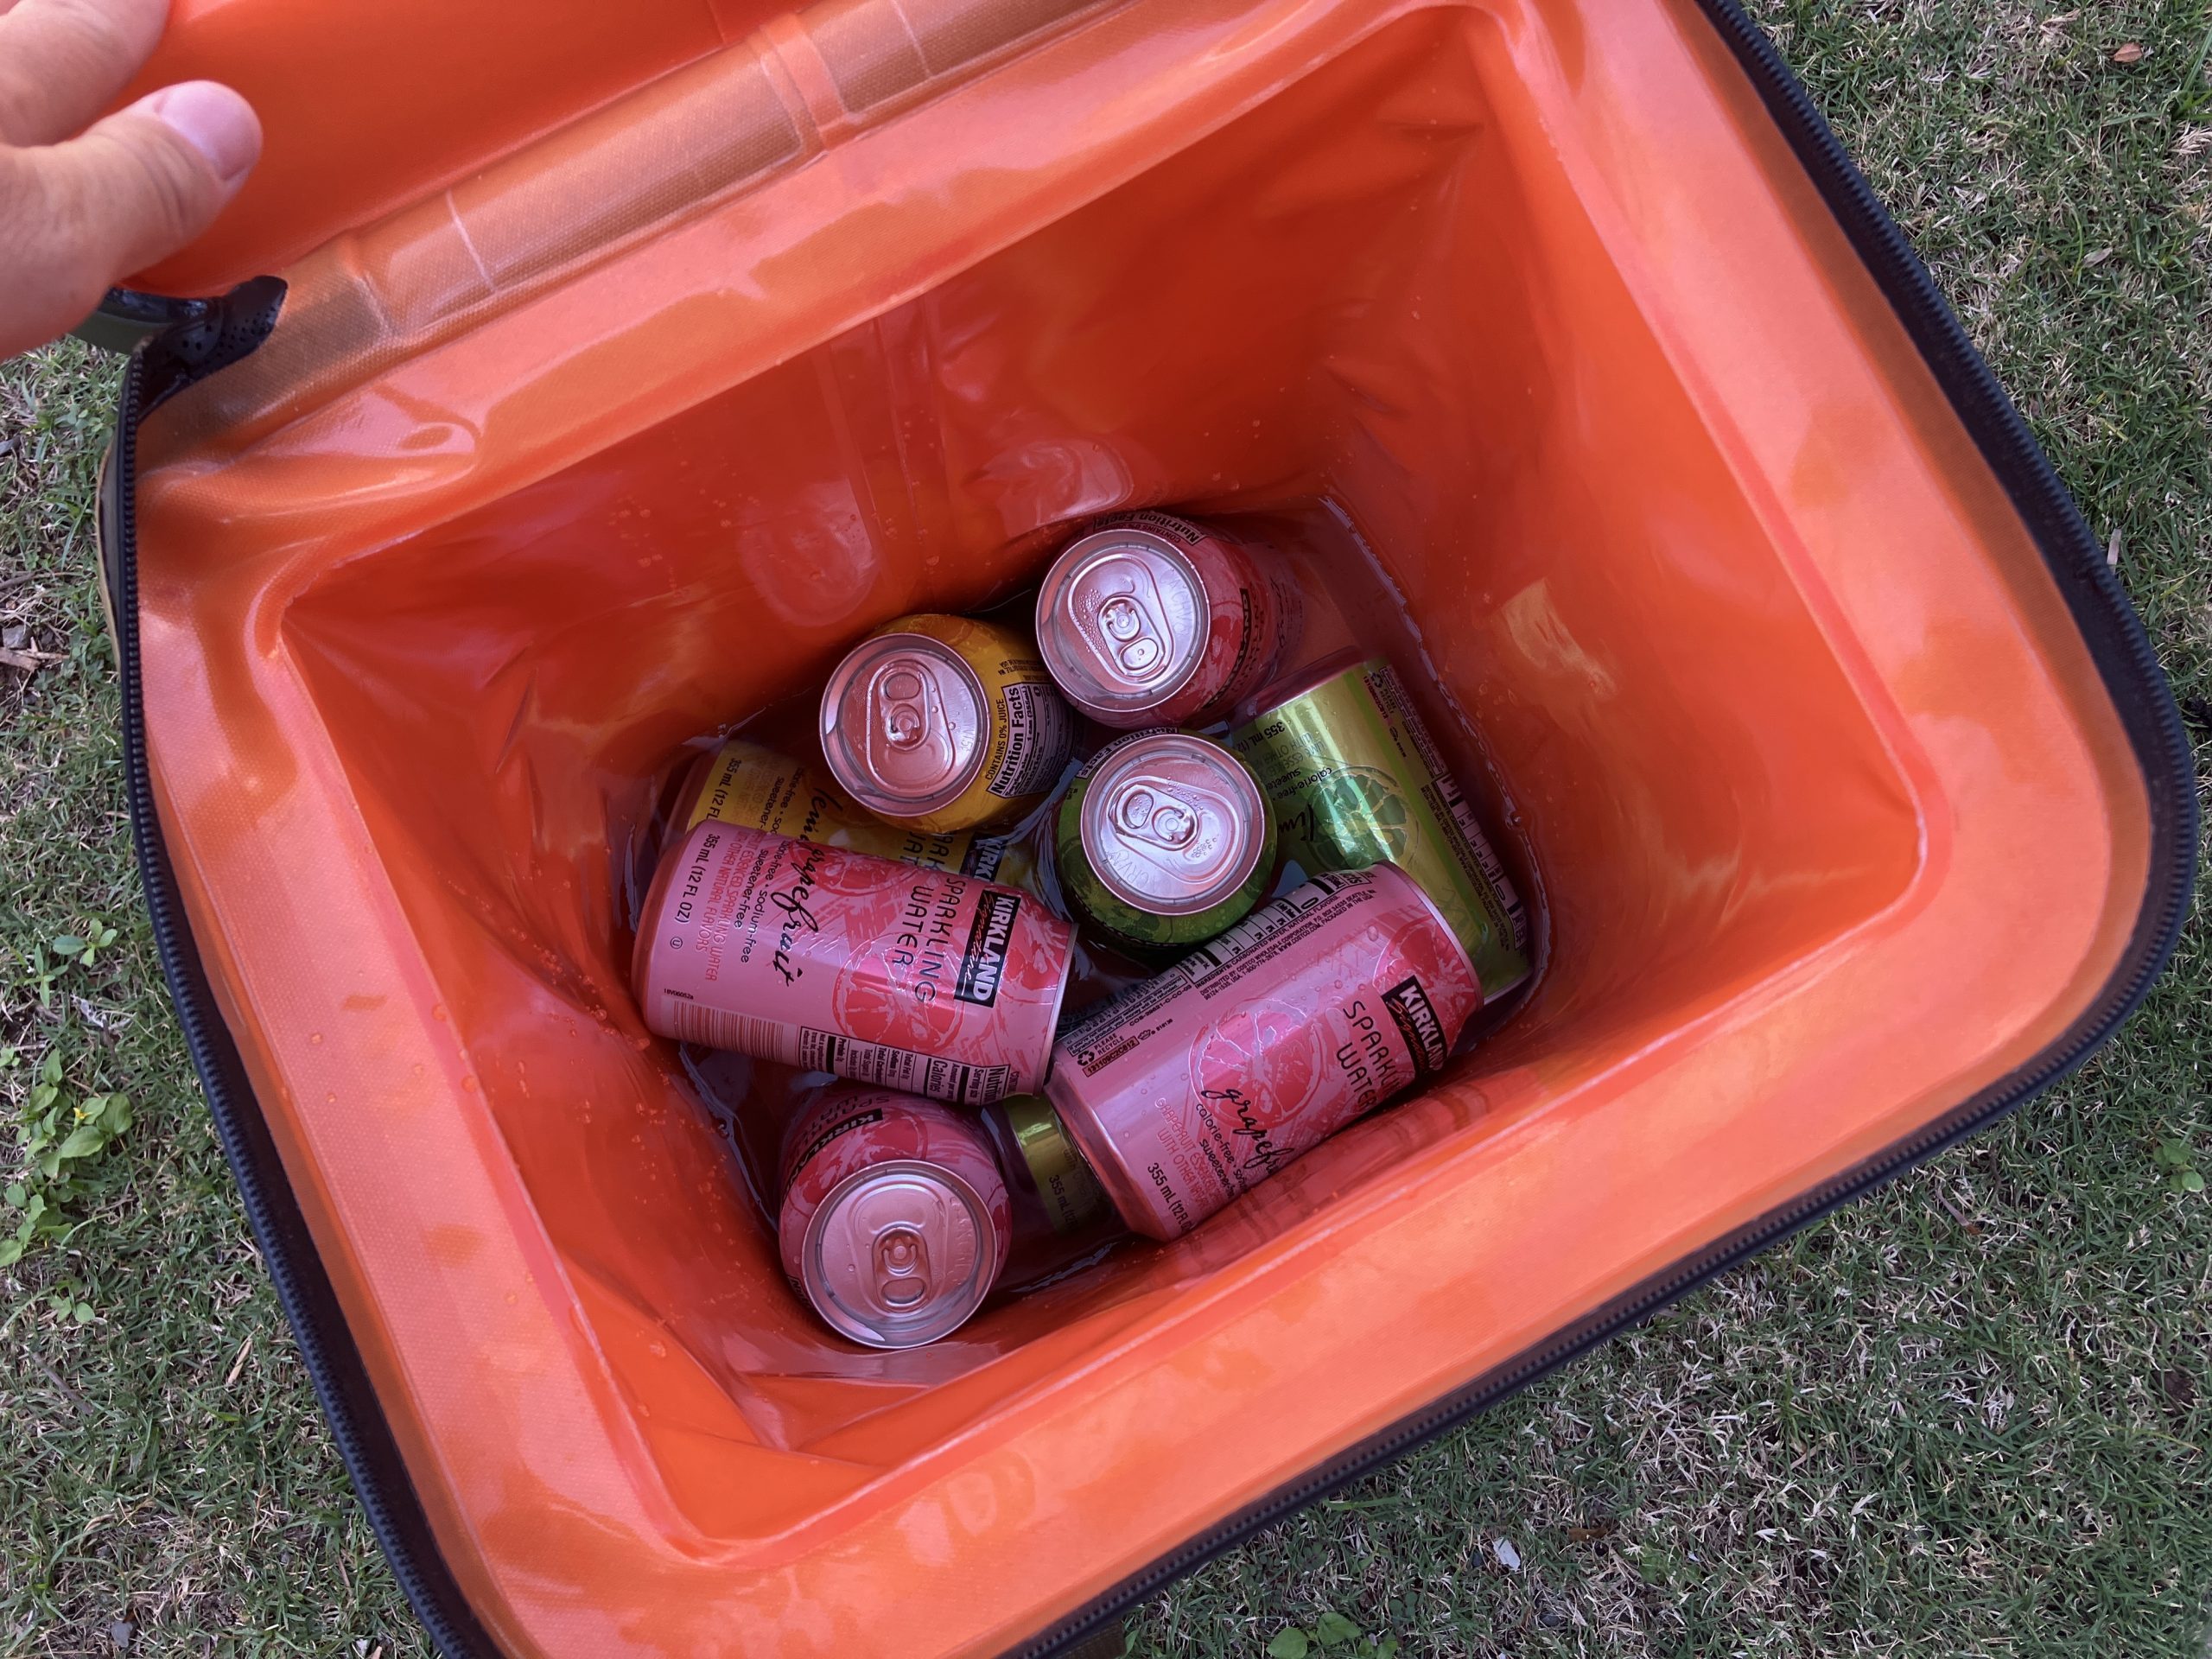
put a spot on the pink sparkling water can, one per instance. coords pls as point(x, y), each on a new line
point(1190, 1089)
point(920, 980)
point(895, 1220)
point(1149, 620)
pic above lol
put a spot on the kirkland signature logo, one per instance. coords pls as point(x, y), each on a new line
point(983, 964)
point(1418, 1025)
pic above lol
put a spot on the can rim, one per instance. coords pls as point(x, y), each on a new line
point(1311, 678)
point(1096, 700)
point(1088, 1137)
point(992, 1253)
point(864, 790)
point(685, 789)
point(1091, 826)
point(1037, 1084)
point(1482, 994)
point(643, 957)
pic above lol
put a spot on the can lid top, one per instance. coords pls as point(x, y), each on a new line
point(900, 1254)
point(904, 724)
point(1171, 823)
point(1122, 621)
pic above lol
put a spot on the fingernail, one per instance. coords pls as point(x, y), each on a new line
point(213, 120)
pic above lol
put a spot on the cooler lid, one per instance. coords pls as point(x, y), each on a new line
point(366, 108)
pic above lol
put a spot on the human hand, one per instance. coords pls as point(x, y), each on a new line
point(83, 206)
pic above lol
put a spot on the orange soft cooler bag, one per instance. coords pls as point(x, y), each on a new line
point(583, 378)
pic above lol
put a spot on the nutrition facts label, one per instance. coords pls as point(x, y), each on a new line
point(1131, 1019)
point(1476, 855)
point(1043, 729)
point(1265, 932)
point(902, 1068)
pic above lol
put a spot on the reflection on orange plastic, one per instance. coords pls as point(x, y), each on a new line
point(1519, 313)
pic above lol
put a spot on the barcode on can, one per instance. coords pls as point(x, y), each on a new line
point(1449, 803)
point(1266, 925)
point(746, 1033)
point(846, 1057)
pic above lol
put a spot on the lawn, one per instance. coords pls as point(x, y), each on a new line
point(1971, 1415)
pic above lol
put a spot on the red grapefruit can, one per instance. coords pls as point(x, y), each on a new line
point(919, 979)
point(1149, 620)
point(895, 1220)
point(1192, 1087)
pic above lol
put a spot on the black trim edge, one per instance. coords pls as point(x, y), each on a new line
point(2132, 675)
point(224, 331)
point(125, 317)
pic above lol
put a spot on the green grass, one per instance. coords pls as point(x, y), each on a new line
point(163, 1463)
point(1970, 1416)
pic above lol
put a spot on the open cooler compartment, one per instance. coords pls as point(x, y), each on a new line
point(1525, 322)
point(1341, 304)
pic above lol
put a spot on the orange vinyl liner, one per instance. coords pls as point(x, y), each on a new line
point(625, 371)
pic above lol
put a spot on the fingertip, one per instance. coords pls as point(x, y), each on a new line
point(212, 118)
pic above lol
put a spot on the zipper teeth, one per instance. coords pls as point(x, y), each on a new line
point(1998, 430)
point(1990, 418)
point(431, 1604)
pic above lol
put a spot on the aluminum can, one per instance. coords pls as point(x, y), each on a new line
point(1149, 620)
point(1356, 779)
point(1163, 840)
point(917, 980)
point(944, 723)
point(1050, 1182)
point(895, 1220)
point(1062, 1220)
point(746, 783)
point(1192, 1087)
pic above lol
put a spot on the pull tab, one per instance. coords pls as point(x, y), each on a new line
point(902, 1267)
point(1128, 626)
point(910, 739)
point(1147, 813)
point(1178, 827)
point(1130, 635)
point(905, 708)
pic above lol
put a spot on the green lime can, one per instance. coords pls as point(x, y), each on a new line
point(1355, 778)
point(1164, 840)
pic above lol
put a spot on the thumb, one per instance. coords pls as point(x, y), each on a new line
point(130, 190)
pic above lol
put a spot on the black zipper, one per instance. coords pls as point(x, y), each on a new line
point(2092, 594)
point(225, 331)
